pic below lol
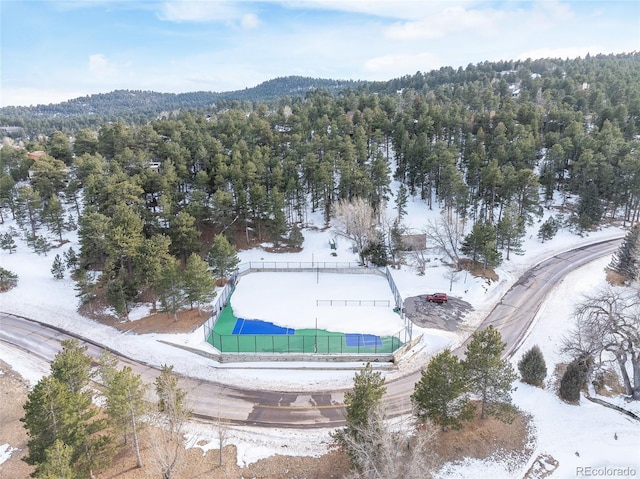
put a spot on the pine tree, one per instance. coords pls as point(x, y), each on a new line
point(489, 376)
point(53, 216)
point(70, 259)
point(57, 268)
point(7, 242)
point(60, 407)
point(199, 285)
point(548, 229)
point(124, 400)
point(296, 238)
point(574, 379)
point(84, 287)
point(402, 198)
point(8, 279)
point(184, 235)
point(626, 261)
point(121, 293)
point(28, 207)
point(441, 393)
point(360, 403)
point(222, 257)
point(58, 463)
point(480, 245)
point(169, 288)
point(532, 367)
point(589, 210)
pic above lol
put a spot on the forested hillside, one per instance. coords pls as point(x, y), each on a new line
point(490, 145)
point(139, 107)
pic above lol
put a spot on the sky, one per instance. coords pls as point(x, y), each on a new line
point(55, 50)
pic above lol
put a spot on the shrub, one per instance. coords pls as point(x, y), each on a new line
point(532, 367)
point(8, 279)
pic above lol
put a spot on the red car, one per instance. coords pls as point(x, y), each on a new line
point(437, 298)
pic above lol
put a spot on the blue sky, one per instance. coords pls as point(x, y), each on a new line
point(54, 50)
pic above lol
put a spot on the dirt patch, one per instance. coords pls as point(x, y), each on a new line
point(13, 394)
point(485, 438)
point(478, 270)
point(187, 322)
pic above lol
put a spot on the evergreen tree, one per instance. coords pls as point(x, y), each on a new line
point(169, 288)
point(8, 279)
point(441, 393)
point(489, 376)
point(532, 367)
point(480, 245)
point(222, 257)
point(152, 256)
point(84, 287)
point(574, 379)
point(548, 229)
point(589, 210)
point(199, 285)
point(70, 259)
point(58, 463)
point(124, 401)
point(72, 366)
point(53, 216)
point(626, 261)
point(57, 268)
point(7, 242)
point(48, 417)
point(28, 207)
point(296, 238)
point(511, 230)
point(39, 244)
point(402, 198)
point(360, 404)
point(376, 253)
point(60, 407)
point(121, 293)
point(184, 235)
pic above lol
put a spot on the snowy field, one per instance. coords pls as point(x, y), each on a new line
point(290, 300)
point(561, 430)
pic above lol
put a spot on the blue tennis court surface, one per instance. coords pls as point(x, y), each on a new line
point(255, 326)
point(362, 340)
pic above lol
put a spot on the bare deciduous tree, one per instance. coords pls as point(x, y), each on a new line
point(170, 418)
point(392, 451)
point(608, 330)
point(446, 235)
point(354, 220)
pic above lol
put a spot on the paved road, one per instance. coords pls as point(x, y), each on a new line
point(210, 400)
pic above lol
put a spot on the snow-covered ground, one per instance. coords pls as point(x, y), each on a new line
point(561, 430)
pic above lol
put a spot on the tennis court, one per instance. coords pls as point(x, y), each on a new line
point(240, 335)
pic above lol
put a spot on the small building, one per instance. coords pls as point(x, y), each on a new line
point(413, 242)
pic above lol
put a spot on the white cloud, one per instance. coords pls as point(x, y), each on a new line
point(249, 21)
point(402, 64)
point(101, 67)
point(199, 11)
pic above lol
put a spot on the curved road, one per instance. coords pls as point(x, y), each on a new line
point(210, 400)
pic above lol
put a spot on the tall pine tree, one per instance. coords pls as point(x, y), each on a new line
point(489, 376)
point(441, 394)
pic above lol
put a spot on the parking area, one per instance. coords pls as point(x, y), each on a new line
point(447, 316)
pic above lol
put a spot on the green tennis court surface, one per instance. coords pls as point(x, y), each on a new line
point(238, 335)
